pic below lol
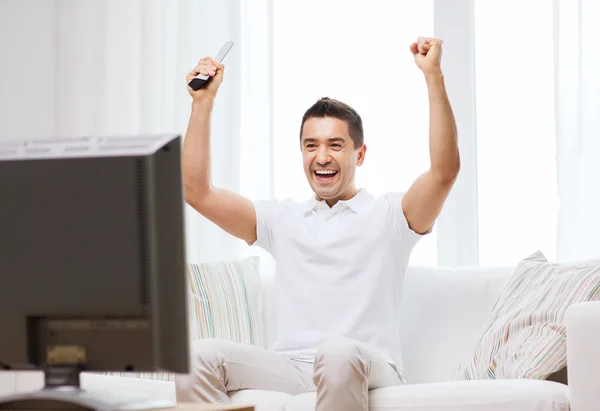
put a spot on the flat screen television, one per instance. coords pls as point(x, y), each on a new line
point(92, 264)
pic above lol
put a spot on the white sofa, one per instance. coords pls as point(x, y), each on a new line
point(443, 310)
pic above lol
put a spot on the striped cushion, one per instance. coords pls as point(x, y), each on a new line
point(524, 336)
point(225, 302)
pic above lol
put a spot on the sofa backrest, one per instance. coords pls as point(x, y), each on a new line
point(443, 310)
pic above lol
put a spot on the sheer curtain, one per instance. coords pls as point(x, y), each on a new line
point(577, 108)
point(526, 102)
point(529, 130)
point(122, 70)
point(516, 147)
point(367, 65)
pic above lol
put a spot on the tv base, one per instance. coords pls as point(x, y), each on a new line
point(63, 391)
point(78, 399)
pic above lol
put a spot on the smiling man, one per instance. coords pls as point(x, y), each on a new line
point(341, 256)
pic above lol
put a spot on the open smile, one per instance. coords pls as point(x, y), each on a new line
point(325, 175)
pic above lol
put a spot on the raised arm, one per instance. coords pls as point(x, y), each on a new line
point(230, 211)
point(424, 200)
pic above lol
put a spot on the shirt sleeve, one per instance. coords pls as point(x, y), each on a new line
point(265, 217)
point(399, 221)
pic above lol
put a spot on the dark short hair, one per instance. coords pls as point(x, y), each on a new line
point(328, 107)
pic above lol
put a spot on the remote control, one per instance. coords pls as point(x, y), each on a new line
point(200, 80)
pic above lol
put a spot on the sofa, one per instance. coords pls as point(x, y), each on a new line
point(443, 310)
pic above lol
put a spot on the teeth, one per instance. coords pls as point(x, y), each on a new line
point(323, 172)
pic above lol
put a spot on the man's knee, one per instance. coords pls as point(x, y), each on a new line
point(206, 357)
point(338, 350)
point(339, 357)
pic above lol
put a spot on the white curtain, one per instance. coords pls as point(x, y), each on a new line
point(122, 69)
point(577, 110)
point(118, 67)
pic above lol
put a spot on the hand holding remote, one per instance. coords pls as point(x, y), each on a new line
point(209, 68)
point(208, 74)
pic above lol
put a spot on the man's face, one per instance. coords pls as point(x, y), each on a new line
point(330, 159)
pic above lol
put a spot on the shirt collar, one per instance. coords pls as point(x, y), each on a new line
point(358, 203)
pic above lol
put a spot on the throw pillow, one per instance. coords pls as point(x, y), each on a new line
point(524, 336)
point(224, 302)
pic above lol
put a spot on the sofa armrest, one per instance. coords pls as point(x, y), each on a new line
point(583, 355)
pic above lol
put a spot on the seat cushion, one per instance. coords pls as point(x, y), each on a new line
point(484, 395)
point(262, 400)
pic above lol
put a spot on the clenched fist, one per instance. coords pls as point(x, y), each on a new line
point(208, 67)
point(428, 54)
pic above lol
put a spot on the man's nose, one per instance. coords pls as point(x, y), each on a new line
point(323, 157)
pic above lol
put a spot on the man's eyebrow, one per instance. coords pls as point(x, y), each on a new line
point(331, 139)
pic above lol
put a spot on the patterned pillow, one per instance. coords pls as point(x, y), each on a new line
point(524, 336)
point(224, 302)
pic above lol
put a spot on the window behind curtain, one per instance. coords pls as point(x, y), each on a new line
point(517, 191)
point(358, 53)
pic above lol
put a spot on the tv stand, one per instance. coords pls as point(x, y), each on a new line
point(63, 391)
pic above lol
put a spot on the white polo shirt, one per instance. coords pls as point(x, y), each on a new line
point(339, 271)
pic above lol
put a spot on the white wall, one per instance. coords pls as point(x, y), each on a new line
point(28, 69)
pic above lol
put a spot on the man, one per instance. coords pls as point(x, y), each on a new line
point(340, 257)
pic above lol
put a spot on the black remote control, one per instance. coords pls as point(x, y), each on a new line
point(200, 80)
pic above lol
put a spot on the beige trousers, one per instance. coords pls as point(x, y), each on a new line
point(343, 373)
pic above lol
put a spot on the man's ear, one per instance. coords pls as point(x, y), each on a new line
point(361, 155)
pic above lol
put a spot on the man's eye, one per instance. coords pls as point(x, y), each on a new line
point(310, 146)
point(336, 145)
